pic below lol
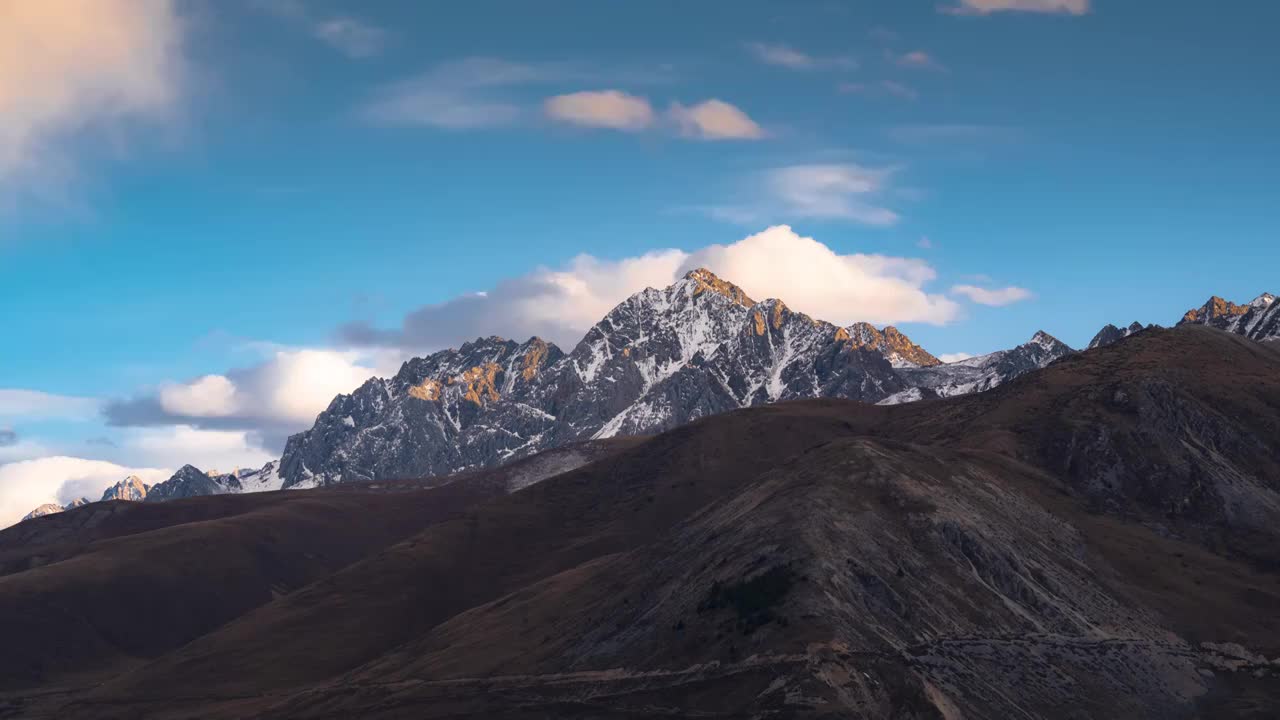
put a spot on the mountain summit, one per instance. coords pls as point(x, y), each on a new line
point(658, 360)
point(1259, 319)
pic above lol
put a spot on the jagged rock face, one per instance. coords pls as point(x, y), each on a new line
point(1112, 334)
point(981, 373)
point(1258, 320)
point(659, 359)
point(895, 346)
point(450, 410)
point(131, 488)
point(190, 481)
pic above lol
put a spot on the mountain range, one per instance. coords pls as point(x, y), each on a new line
point(1097, 538)
point(660, 359)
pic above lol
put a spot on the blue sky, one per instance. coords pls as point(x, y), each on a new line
point(222, 189)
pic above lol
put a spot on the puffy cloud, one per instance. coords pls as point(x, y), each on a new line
point(792, 59)
point(36, 405)
point(815, 279)
point(605, 109)
point(562, 304)
point(714, 120)
point(67, 65)
point(986, 7)
point(27, 484)
point(270, 400)
point(209, 396)
point(997, 297)
point(954, 357)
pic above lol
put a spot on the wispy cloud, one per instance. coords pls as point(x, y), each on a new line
point(842, 192)
point(884, 88)
point(918, 59)
point(67, 66)
point(480, 93)
point(788, 57)
point(37, 405)
point(951, 132)
point(997, 297)
point(351, 36)
point(458, 95)
point(986, 7)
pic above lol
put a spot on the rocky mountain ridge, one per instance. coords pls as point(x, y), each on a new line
point(660, 359)
point(1259, 319)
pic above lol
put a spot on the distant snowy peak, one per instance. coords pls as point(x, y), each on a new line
point(54, 508)
point(1111, 334)
point(982, 373)
point(45, 509)
point(1259, 319)
point(659, 359)
point(131, 488)
point(190, 481)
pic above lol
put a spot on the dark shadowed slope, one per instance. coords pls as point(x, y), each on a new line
point(1097, 539)
point(89, 592)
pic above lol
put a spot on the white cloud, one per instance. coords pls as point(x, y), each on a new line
point(986, 7)
point(954, 357)
point(67, 65)
point(790, 58)
point(32, 475)
point(274, 398)
point(918, 59)
point(209, 396)
point(880, 89)
point(352, 37)
point(36, 405)
point(22, 449)
point(899, 90)
point(604, 109)
point(833, 191)
point(458, 95)
point(183, 444)
point(28, 484)
point(562, 304)
point(813, 278)
point(715, 120)
point(997, 297)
